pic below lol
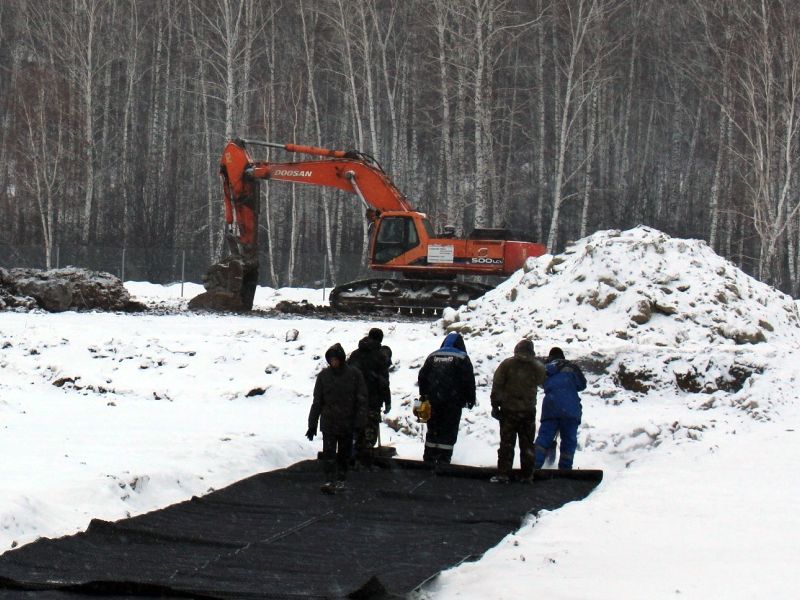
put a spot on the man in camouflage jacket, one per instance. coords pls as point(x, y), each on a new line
point(514, 405)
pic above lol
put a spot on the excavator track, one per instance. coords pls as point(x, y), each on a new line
point(423, 296)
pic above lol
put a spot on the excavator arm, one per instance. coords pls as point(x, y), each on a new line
point(348, 171)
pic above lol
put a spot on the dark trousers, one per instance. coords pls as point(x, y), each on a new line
point(513, 426)
point(367, 437)
point(568, 430)
point(442, 434)
point(336, 450)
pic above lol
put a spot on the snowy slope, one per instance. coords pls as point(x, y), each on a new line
point(107, 415)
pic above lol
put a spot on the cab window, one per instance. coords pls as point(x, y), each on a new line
point(396, 236)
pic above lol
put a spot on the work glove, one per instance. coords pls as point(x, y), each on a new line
point(387, 406)
point(312, 431)
point(422, 409)
point(496, 412)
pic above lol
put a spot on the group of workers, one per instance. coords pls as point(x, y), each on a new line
point(350, 392)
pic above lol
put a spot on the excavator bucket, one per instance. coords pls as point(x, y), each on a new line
point(230, 286)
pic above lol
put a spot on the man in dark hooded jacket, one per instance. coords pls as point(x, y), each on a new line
point(340, 405)
point(372, 361)
point(514, 405)
point(447, 381)
point(561, 409)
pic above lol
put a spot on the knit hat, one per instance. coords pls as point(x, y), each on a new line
point(556, 353)
point(376, 333)
point(524, 347)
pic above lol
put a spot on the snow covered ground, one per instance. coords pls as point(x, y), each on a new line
point(691, 412)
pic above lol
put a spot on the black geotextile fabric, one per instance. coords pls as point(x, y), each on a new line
point(275, 535)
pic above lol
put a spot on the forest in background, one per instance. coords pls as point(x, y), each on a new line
point(556, 117)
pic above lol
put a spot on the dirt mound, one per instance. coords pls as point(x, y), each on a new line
point(57, 290)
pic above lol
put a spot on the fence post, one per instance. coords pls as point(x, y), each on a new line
point(123, 265)
point(183, 269)
point(324, 272)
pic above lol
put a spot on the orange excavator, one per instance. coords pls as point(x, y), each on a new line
point(402, 240)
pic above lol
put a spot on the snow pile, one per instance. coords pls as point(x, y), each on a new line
point(640, 286)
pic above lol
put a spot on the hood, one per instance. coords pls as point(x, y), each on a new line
point(337, 351)
point(524, 347)
point(369, 344)
point(454, 341)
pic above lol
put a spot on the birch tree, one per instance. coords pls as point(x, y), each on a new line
point(579, 71)
point(46, 122)
point(454, 205)
point(766, 82)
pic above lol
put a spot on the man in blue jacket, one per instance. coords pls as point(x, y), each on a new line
point(561, 409)
point(447, 380)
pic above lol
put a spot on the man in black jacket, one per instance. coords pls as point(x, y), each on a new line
point(447, 381)
point(340, 403)
point(373, 362)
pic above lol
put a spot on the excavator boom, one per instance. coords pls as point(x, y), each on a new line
point(341, 169)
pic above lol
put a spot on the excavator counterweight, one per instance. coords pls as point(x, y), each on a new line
point(402, 239)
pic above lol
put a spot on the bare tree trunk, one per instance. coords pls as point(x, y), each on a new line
point(453, 206)
point(231, 23)
point(587, 178)
point(88, 9)
point(129, 120)
point(366, 46)
point(459, 151)
point(623, 164)
point(268, 112)
point(502, 199)
point(641, 202)
point(541, 112)
point(724, 129)
point(481, 218)
point(390, 89)
point(45, 154)
point(105, 151)
point(792, 254)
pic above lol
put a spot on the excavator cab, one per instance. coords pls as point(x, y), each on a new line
point(395, 236)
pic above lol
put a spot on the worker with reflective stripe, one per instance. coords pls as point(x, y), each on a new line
point(447, 381)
